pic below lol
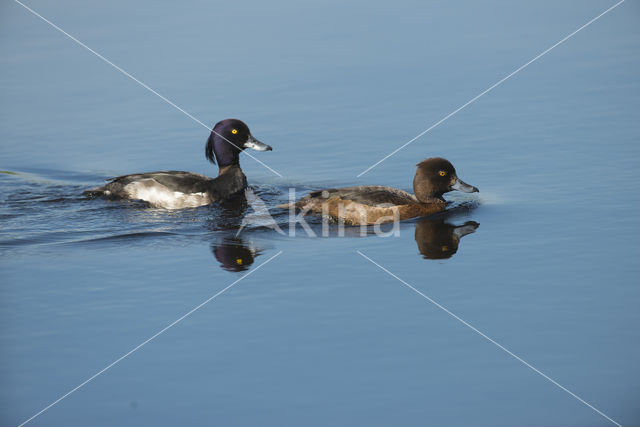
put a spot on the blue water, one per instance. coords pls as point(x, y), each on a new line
point(319, 335)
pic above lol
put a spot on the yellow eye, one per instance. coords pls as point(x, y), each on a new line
point(443, 173)
point(445, 248)
point(239, 260)
point(234, 131)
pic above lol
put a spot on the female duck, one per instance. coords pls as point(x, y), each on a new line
point(374, 204)
point(175, 189)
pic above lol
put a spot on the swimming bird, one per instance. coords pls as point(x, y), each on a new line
point(375, 204)
point(176, 189)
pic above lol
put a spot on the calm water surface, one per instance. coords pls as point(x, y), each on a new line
point(319, 335)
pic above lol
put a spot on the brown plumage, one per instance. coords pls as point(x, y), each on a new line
point(438, 239)
point(374, 204)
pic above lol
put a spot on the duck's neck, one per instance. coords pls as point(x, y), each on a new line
point(431, 200)
point(228, 168)
point(424, 196)
point(230, 180)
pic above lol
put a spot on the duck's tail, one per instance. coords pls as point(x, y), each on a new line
point(93, 193)
point(98, 192)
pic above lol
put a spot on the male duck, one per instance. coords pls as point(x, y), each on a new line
point(175, 189)
point(375, 204)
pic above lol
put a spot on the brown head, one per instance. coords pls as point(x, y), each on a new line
point(436, 176)
point(438, 239)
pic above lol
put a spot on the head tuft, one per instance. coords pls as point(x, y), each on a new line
point(208, 149)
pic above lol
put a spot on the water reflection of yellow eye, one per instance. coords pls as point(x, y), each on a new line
point(443, 173)
point(445, 248)
point(234, 131)
point(239, 260)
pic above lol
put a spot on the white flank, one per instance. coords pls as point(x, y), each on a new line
point(160, 196)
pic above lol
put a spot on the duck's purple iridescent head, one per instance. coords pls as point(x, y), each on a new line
point(228, 138)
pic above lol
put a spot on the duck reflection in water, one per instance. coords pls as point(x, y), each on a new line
point(234, 254)
point(438, 239)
